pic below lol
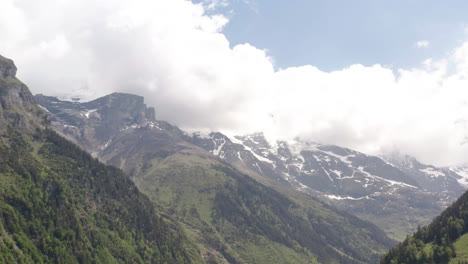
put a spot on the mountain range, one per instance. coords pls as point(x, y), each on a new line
point(237, 216)
point(394, 191)
point(181, 204)
point(60, 205)
point(202, 198)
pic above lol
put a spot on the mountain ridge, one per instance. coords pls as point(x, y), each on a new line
point(369, 186)
point(228, 212)
point(60, 205)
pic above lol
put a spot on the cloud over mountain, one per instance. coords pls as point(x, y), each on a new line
point(176, 55)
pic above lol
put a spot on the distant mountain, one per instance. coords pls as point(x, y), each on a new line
point(430, 178)
point(444, 241)
point(59, 205)
point(396, 194)
point(235, 216)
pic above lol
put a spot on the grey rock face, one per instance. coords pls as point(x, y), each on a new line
point(96, 124)
point(17, 105)
point(7, 68)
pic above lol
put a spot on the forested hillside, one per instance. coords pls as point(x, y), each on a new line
point(60, 205)
point(441, 242)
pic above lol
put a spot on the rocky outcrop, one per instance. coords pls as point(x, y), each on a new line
point(7, 68)
point(17, 105)
point(93, 125)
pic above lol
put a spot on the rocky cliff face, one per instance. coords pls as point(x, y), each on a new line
point(17, 106)
point(93, 125)
point(7, 68)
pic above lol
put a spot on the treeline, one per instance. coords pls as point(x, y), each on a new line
point(434, 243)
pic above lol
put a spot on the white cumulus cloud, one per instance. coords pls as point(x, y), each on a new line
point(422, 44)
point(175, 54)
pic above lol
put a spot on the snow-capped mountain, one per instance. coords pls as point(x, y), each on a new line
point(396, 194)
point(120, 130)
point(463, 173)
point(378, 189)
point(430, 178)
point(95, 124)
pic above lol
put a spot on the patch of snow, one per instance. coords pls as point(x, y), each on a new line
point(43, 108)
point(236, 140)
point(367, 182)
point(260, 158)
point(218, 150)
point(344, 159)
point(335, 197)
point(316, 158)
point(239, 155)
point(328, 174)
point(361, 169)
point(154, 125)
point(252, 140)
point(299, 164)
point(297, 146)
point(107, 144)
point(337, 172)
point(463, 173)
point(202, 135)
point(87, 113)
point(129, 127)
point(432, 172)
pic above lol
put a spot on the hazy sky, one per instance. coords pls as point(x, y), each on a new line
point(372, 76)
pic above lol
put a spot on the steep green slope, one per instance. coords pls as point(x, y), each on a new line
point(461, 250)
point(59, 205)
point(235, 217)
point(440, 242)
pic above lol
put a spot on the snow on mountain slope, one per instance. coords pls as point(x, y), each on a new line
point(372, 187)
point(395, 192)
point(463, 173)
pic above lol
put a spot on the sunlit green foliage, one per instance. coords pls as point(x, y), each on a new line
point(434, 243)
point(59, 205)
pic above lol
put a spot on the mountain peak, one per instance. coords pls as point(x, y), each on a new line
point(123, 102)
point(7, 68)
point(17, 105)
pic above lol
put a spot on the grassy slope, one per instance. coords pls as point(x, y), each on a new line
point(192, 199)
point(248, 222)
point(461, 249)
point(397, 224)
point(58, 205)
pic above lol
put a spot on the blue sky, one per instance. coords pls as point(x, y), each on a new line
point(334, 34)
